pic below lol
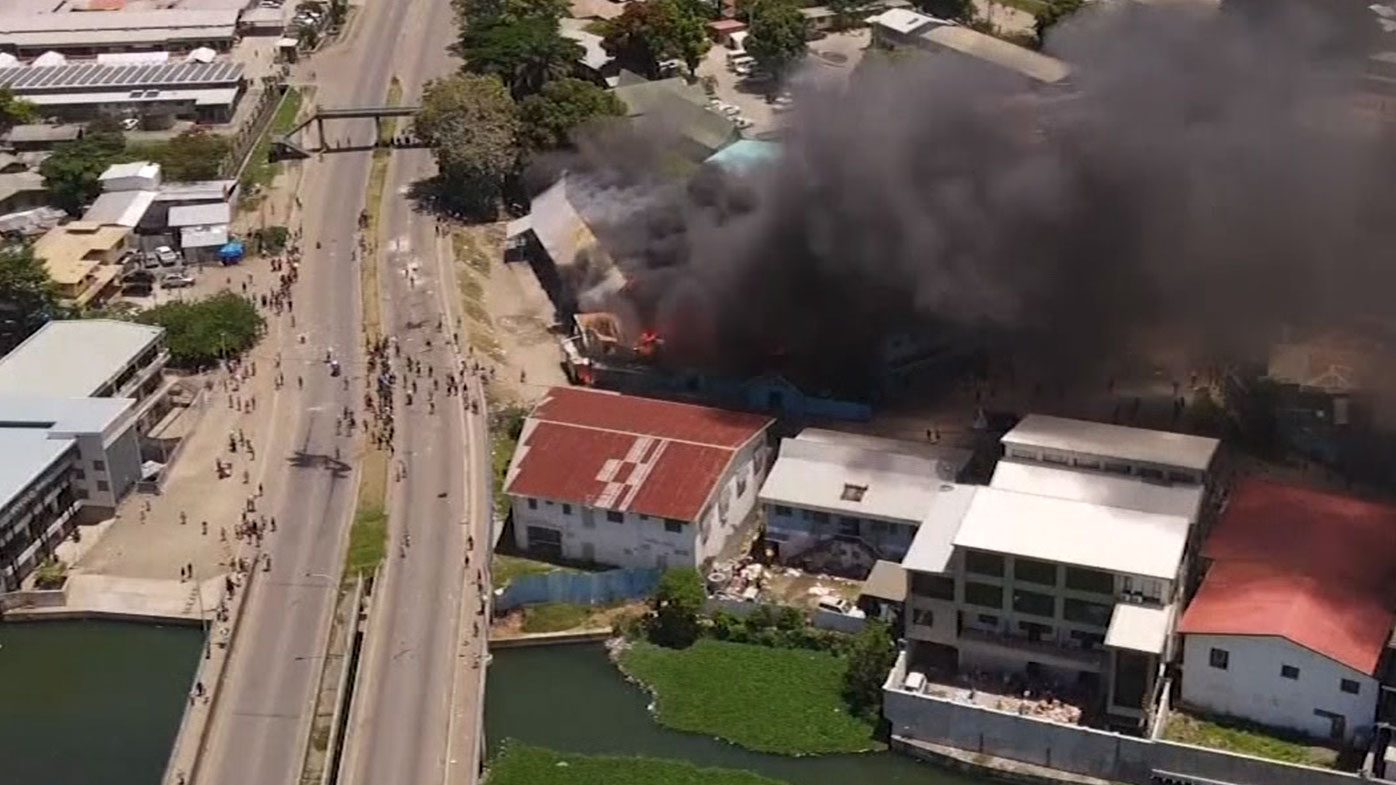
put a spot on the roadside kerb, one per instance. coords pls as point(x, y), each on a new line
point(351, 628)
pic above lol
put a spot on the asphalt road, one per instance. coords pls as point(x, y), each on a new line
point(413, 718)
point(262, 726)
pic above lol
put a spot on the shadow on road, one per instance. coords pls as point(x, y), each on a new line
point(300, 459)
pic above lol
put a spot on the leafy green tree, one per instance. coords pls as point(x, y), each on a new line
point(14, 110)
point(474, 11)
point(870, 657)
point(959, 10)
point(525, 53)
point(548, 118)
point(647, 33)
point(776, 37)
point(27, 296)
point(470, 121)
point(193, 155)
point(678, 601)
point(201, 332)
point(1051, 13)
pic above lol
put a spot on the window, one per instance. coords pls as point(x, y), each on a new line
point(1024, 454)
point(102, 485)
point(819, 517)
point(1349, 686)
point(79, 474)
point(1052, 457)
point(1289, 672)
point(988, 619)
point(1092, 613)
point(1034, 603)
point(848, 526)
point(80, 493)
point(853, 493)
point(981, 563)
point(1085, 464)
point(1034, 571)
point(1182, 477)
point(566, 509)
point(1088, 640)
point(532, 504)
point(100, 466)
point(1093, 581)
point(672, 526)
point(937, 587)
point(1219, 658)
point(615, 516)
point(781, 509)
point(983, 594)
point(923, 617)
point(1118, 468)
point(1151, 474)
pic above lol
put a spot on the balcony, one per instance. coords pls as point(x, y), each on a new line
point(1014, 647)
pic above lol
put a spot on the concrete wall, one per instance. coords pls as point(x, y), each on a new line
point(797, 530)
point(124, 463)
point(839, 622)
point(1076, 749)
point(1252, 688)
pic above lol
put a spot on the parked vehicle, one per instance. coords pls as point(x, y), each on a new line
point(168, 256)
point(150, 261)
point(177, 280)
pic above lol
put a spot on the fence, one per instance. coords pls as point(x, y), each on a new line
point(1077, 749)
point(580, 588)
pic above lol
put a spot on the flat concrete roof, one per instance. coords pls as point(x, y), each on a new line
point(1161, 448)
point(1139, 627)
point(1074, 533)
point(73, 358)
point(120, 208)
point(38, 429)
point(887, 581)
point(996, 51)
point(934, 543)
point(65, 250)
point(1131, 493)
point(201, 214)
point(825, 472)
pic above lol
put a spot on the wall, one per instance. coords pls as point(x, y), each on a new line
point(797, 531)
point(124, 462)
point(587, 534)
point(1252, 688)
point(1076, 749)
point(737, 494)
point(839, 622)
point(578, 587)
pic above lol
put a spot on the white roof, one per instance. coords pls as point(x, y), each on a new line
point(902, 20)
point(201, 214)
point(594, 55)
point(818, 473)
point(1139, 627)
point(132, 58)
point(73, 358)
point(48, 58)
point(952, 460)
point(935, 539)
point(125, 21)
point(200, 55)
point(1075, 533)
point(143, 169)
point(200, 191)
point(26, 452)
point(203, 236)
point(996, 51)
point(1131, 493)
point(1142, 445)
point(8, 60)
point(119, 208)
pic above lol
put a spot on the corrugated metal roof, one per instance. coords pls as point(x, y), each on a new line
point(675, 103)
point(624, 452)
point(98, 77)
point(123, 20)
point(996, 51)
point(201, 214)
point(66, 250)
point(155, 36)
point(1160, 448)
point(203, 236)
point(119, 208)
point(73, 358)
point(43, 133)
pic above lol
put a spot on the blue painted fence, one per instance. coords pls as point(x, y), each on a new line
point(581, 588)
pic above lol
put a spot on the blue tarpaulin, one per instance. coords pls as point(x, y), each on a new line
point(232, 252)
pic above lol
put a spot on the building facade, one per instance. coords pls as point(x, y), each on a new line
point(622, 480)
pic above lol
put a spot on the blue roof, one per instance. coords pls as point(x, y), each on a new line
point(745, 154)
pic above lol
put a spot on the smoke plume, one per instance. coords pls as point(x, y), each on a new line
point(1205, 179)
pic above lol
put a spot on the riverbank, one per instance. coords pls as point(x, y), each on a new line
point(520, 764)
point(767, 699)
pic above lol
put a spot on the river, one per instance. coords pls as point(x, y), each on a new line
point(572, 699)
point(92, 702)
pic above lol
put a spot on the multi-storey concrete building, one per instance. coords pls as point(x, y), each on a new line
point(1068, 567)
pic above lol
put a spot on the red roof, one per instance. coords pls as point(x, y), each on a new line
point(624, 452)
point(1315, 567)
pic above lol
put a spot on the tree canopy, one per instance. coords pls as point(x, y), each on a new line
point(1053, 12)
point(524, 52)
point(472, 11)
point(548, 119)
point(471, 123)
point(201, 332)
point(776, 36)
point(678, 601)
point(27, 296)
point(193, 155)
point(869, 658)
point(647, 33)
point(14, 110)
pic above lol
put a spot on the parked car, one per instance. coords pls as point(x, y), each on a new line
point(177, 280)
point(840, 606)
point(168, 256)
point(150, 261)
point(130, 123)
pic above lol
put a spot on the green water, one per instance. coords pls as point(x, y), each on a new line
point(572, 699)
point(91, 702)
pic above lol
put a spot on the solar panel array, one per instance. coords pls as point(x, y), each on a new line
point(91, 77)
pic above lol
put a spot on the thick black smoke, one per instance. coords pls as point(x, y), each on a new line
point(1205, 180)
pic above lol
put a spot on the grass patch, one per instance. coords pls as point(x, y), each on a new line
point(785, 701)
point(520, 764)
point(555, 617)
point(368, 537)
point(388, 126)
point(1234, 735)
point(504, 569)
point(259, 172)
